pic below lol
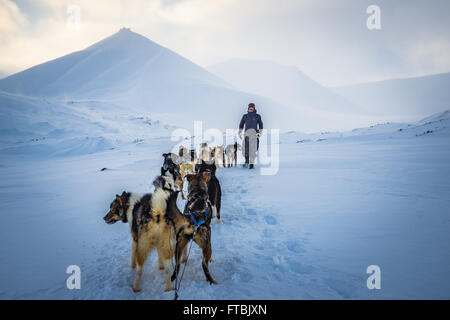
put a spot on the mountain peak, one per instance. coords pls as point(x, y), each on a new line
point(122, 63)
point(125, 29)
point(127, 32)
point(124, 38)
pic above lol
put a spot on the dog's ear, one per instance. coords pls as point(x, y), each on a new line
point(189, 177)
point(206, 176)
point(119, 198)
point(165, 155)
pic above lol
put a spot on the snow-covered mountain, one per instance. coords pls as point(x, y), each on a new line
point(116, 64)
point(285, 84)
point(411, 97)
point(42, 127)
point(312, 105)
point(131, 71)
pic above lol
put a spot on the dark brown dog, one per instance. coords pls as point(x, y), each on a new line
point(213, 186)
point(198, 211)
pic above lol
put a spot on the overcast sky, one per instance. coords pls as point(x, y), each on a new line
point(326, 39)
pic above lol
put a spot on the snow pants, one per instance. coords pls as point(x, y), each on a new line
point(250, 146)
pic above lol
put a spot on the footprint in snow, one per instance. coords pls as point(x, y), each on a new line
point(250, 211)
point(270, 220)
point(278, 260)
point(299, 268)
point(294, 246)
point(268, 234)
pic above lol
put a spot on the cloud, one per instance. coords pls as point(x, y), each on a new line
point(328, 40)
point(11, 20)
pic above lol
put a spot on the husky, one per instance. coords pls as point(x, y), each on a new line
point(231, 152)
point(171, 166)
point(214, 189)
point(218, 154)
point(198, 210)
point(205, 154)
point(183, 154)
point(171, 163)
point(193, 156)
point(154, 221)
point(185, 169)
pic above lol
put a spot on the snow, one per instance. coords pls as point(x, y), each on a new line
point(77, 130)
point(43, 127)
point(335, 207)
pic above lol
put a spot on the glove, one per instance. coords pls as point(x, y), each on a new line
point(259, 133)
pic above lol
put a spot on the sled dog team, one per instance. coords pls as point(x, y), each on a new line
point(155, 220)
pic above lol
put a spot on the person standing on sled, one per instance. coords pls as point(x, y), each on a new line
point(253, 130)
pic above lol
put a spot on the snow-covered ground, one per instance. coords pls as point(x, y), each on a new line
point(339, 203)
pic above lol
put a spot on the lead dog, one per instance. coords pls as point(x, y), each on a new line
point(153, 222)
point(231, 152)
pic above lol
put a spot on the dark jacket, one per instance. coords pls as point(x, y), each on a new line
point(251, 120)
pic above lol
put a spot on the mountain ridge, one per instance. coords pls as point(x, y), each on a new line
point(415, 96)
point(77, 69)
point(129, 70)
point(286, 84)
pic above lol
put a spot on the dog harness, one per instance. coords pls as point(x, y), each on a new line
point(198, 223)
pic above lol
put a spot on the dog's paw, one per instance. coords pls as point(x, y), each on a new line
point(167, 289)
point(136, 290)
point(211, 260)
point(219, 221)
point(213, 282)
point(160, 267)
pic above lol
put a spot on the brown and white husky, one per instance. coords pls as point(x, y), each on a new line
point(154, 221)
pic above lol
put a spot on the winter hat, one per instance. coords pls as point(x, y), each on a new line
point(251, 105)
